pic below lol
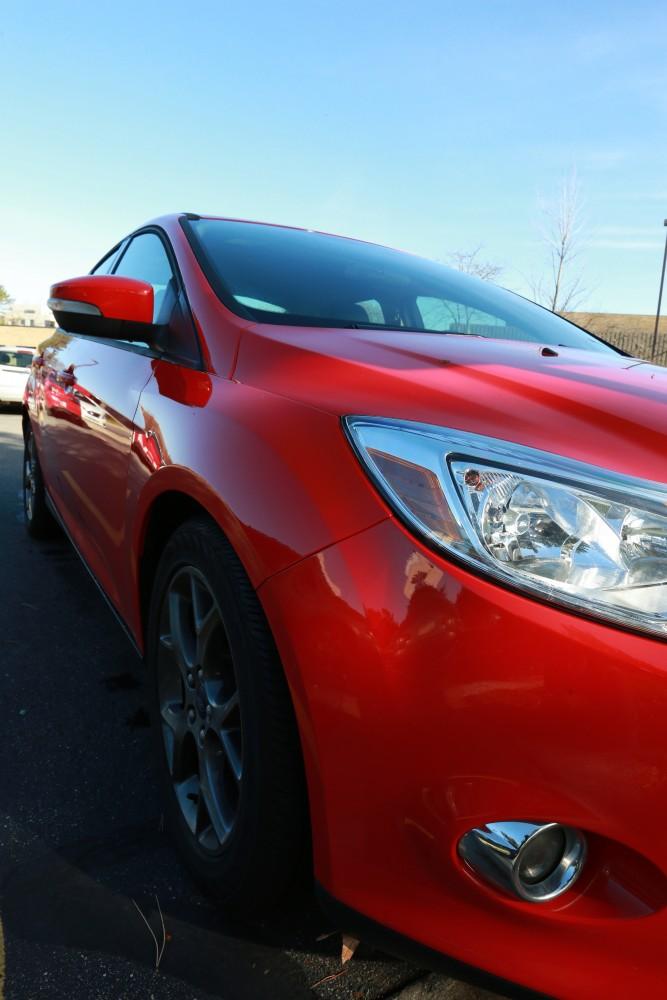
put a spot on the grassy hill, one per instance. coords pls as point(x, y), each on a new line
point(24, 336)
point(632, 333)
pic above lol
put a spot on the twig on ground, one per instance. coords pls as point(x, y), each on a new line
point(159, 949)
point(164, 934)
point(328, 979)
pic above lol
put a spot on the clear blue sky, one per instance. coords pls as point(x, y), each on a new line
point(432, 126)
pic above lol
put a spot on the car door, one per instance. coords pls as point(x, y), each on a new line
point(92, 434)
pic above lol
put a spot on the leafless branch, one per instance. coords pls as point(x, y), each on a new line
point(562, 288)
point(470, 262)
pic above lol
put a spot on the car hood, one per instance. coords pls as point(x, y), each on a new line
point(608, 410)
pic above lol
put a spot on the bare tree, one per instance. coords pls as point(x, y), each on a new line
point(459, 316)
point(470, 262)
point(562, 289)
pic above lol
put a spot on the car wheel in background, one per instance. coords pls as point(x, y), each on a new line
point(228, 752)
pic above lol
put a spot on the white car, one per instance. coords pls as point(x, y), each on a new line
point(14, 370)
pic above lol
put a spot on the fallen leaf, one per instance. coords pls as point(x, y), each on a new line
point(350, 945)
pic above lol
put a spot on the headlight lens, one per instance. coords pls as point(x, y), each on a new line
point(568, 532)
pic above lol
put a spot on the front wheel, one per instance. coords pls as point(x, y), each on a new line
point(228, 752)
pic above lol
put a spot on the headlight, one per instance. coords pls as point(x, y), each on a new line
point(567, 532)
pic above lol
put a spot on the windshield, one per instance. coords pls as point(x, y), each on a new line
point(271, 274)
point(15, 359)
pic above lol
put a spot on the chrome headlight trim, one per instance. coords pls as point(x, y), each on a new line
point(435, 448)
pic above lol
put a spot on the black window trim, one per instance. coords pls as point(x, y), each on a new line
point(111, 252)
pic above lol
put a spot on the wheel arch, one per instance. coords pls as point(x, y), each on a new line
point(166, 513)
point(172, 497)
point(26, 425)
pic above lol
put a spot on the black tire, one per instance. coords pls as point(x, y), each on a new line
point(38, 518)
point(260, 788)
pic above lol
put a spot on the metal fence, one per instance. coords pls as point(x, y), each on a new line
point(638, 343)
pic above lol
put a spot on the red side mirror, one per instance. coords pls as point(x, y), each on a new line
point(104, 305)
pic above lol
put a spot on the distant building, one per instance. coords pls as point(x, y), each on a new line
point(21, 314)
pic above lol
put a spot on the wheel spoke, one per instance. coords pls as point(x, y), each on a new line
point(176, 639)
point(188, 795)
point(226, 723)
point(212, 800)
point(223, 716)
point(175, 733)
point(205, 627)
point(201, 599)
point(231, 742)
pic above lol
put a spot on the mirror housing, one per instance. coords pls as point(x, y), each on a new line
point(104, 305)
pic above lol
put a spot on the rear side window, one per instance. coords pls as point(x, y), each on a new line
point(15, 359)
point(146, 259)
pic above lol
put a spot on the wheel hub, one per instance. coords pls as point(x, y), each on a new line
point(201, 700)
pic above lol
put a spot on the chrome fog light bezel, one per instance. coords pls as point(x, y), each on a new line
point(496, 852)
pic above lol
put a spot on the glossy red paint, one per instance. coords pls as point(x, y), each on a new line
point(429, 700)
point(116, 297)
point(608, 412)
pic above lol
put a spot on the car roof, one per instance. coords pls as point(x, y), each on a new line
point(176, 216)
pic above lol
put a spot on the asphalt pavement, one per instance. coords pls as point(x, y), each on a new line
point(85, 868)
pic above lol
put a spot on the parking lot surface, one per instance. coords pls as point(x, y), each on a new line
point(81, 844)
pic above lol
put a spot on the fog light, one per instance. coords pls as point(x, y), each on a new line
point(535, 862)
point(541, 855)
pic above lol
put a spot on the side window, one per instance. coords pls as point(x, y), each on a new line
point(146, 259)
point(373, 310)
point(106, 264)
point(456, 317)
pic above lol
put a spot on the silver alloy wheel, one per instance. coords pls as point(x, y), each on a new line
point(29, 478)
point(199, 708)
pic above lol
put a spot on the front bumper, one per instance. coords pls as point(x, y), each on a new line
point(10, 393)
point(430, 701)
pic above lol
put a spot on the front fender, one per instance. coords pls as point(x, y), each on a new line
point(278, 477)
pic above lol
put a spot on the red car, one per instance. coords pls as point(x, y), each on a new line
point(393, 543)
